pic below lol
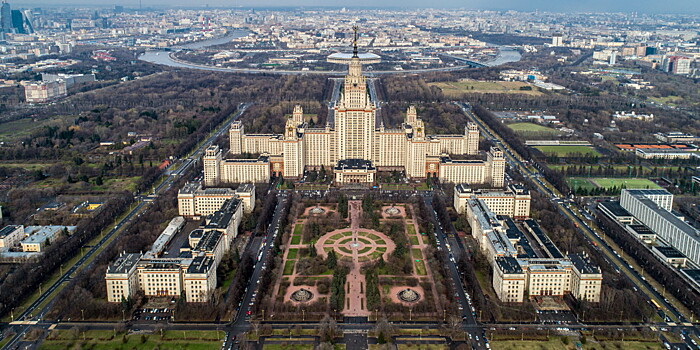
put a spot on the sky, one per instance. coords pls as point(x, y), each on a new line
point(642, 6)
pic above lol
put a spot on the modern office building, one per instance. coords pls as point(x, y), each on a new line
point(514, 201)
point(352, 137)
point(653, 209)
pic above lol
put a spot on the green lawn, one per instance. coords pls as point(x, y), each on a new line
point(564, 151)
point(628, 183)
point(288, 346)
point(411, 230)
point(528, 128)
point(556, 344)
point(98, 340)
point(297, 229)
point(396, 187)
point(18, 129)
point(289, 267)
point(590, 183)
point(296, 239)
point(414, 240)
point(292, 253)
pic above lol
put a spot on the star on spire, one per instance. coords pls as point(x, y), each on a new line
point(354, 42)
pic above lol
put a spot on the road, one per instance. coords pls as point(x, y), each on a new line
point(467, 311)
point(263, 246)
point(590, 230)
point(35, 312)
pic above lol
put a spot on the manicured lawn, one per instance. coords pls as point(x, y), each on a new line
point(411, 230)
point(191, 340)
point(364, 250)
point(414, 240)
point(375, 255)
point(420, 267)
point(345, 250)
point(296, 239)
point(396, 187)
point(530, 128)
point(556, 344)
point(380, 241)
point(580, 182)
point(289, 267)
point(564, 151)
point(297, 229)
point(590, 183)
point(288, 346)
point(630, 183)
point(292, 253)
point(337, 236)
point(372, 236)
point(381, 249)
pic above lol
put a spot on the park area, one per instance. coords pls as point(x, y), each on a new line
point(457, 89)
point(371, 258)
point(101, 339)
point(590, 183)
point(565, 151)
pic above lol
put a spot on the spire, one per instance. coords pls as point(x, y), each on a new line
point(354, 42)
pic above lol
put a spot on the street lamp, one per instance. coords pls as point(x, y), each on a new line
point(82, 314)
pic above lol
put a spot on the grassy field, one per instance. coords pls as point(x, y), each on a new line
point(289, 267)
point(628, 183)
point(397, 187)
point(292, 253)
point(563, 151)
point(456, 89)
point(296, 239)
point(532, 128)
point(297, 229)
point(604, 182)
point(98, 340)
point(18, 129)
point(557, 344)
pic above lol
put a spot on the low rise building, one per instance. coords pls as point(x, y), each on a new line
point(10, 235)
point(676, 137)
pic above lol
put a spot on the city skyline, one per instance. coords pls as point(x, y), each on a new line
point(627, 6)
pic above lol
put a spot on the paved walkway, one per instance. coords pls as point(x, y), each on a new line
point(356, 300)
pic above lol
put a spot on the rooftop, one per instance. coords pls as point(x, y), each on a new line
point(5, 231)
point(509, 265)
point(124, 263)
point(583, 264)
point(354, 164)
point(670, 252)
point(615, 208)
point(209, 241)
point(641, 229)
point(200, 264)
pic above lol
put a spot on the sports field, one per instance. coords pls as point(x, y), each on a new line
point(456, 89)
point(564, 151)
point(532, 128)
point(590, 183)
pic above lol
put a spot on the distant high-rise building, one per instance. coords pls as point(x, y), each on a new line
point(613, 58)
point(676, 65)
point(18, 22)
point(557, 39)
point(6, 17)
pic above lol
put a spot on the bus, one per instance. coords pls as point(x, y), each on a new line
point(653, 302)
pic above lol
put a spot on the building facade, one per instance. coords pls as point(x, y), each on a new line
point(653, 209)
point(44, 91)
point(514, 201)
point(193, 200)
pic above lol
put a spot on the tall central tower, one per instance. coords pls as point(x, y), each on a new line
point(355, 114)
